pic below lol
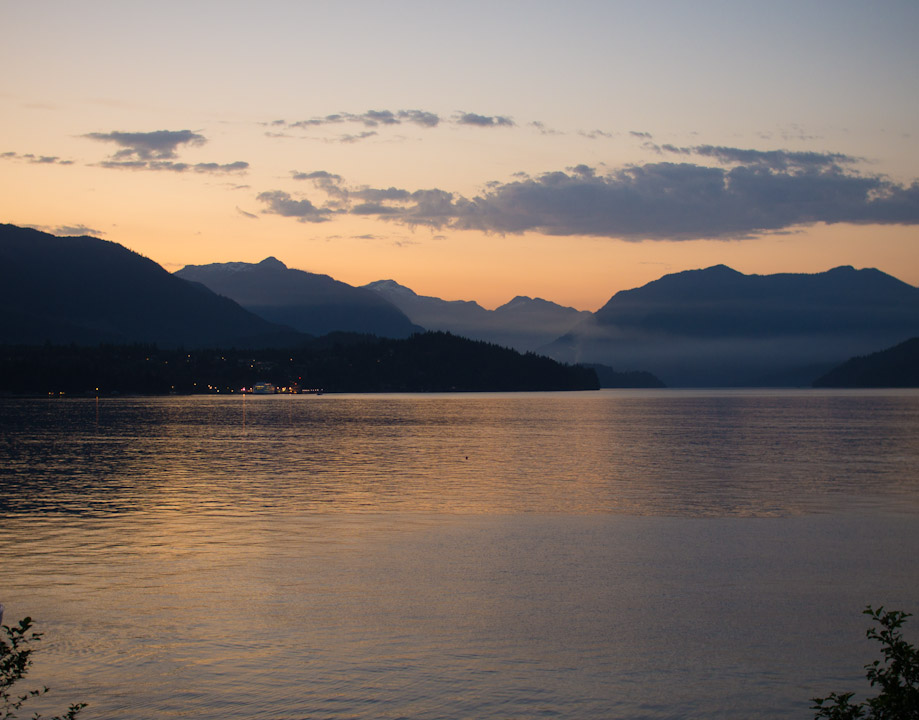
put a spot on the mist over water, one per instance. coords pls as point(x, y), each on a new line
point(652, 554)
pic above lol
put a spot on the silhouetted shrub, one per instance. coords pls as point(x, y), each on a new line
point(896, 674)
point(15, 660)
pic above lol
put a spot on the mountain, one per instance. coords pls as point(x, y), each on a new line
point(894, 367)
point(311, 303)
point(719, 327)
point(523, 324)
point(85, 290)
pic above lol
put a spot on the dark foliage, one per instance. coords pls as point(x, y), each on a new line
point(896, 674)
point(16, 648)
point(610, 378)
point(429, 362)
point(895, 367)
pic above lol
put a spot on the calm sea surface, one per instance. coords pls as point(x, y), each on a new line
point(616, 554)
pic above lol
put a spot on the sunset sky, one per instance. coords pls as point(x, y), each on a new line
point(475, 150)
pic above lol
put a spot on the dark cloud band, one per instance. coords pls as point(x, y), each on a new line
point(179, 167)
point(754, 193)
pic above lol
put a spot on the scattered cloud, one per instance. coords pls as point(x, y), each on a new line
point(595, 134)
point(76, 230)
point(249, 215)
point(281, 203)
point(380, 194)
point(180, 167)
point(753, 193)
point(358, 137)
point(774, 159)
point(466, 118)
point(543, 129)
point(35, 159)
point(67, 230)
point(370, 119)
point(158, 150)
point(319, 175)
point(375, 120)
point(328, 182)
point(156, 145)
point(640, 135)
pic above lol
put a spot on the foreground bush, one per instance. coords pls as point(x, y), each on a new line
point(897, 676)
point(15, 660)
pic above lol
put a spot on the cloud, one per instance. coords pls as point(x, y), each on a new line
point(420, 117)
point(757, 192)
point(376, 120)
point(370, 119)
point(281, 203)
point(543, 129)
point(249, 215)
point(156, 145)
point(684, 201)
point(157, 151)
point(67, 230)
point(357, 138)
point(380, 194)
point(372, 208)
point(76, 230)
point(180, 167)
point(35, 159)
point(464, 118)
point(209, 167)
point(594, 134)
point(325, 181)
point(774, 159)
point(319, 175)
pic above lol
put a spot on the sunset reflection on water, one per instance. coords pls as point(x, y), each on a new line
point(457, 556)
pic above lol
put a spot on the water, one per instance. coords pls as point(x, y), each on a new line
point(635, 554)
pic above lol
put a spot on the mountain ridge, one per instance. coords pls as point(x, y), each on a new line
point(87, 290)
point(717, 326)
point(309, 302)
point(523, 323)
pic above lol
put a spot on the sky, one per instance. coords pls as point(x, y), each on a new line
point(475, 150)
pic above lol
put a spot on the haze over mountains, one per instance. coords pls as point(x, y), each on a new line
point(524, 323)
point(714, 326)
point(720, 327)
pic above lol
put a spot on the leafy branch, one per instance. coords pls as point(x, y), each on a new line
point(896, 674)
point(16, 648)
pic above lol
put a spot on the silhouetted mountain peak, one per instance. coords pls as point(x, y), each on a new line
point(390, 287)
point(312, 303)
point(720, 269)
point(529, 304)
point(87, 290)
point(519, 301)
point(720, 326)
point(272, 263)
